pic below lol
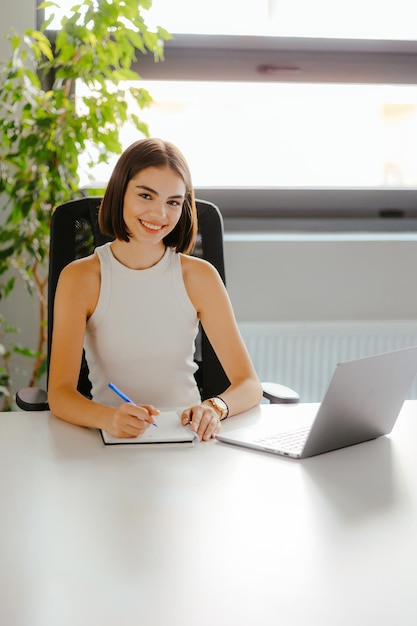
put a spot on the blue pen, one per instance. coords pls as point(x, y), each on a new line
point(124, 397)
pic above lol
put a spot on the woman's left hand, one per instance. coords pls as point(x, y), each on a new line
point(203, 419)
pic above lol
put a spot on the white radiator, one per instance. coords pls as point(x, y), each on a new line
point(303, 355)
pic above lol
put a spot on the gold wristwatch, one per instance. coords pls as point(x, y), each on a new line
point(220, 406)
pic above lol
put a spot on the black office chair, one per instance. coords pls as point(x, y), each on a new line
point(75, 234)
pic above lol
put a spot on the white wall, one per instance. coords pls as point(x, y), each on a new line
point(18, 15)
point(322, 277)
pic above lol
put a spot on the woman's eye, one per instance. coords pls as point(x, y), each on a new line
point(146, 196)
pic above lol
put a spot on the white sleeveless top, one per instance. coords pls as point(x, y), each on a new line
point(141, 336)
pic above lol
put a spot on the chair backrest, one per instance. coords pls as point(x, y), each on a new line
point(75, 234)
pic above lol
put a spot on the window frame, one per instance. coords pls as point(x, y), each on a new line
point(283, 59)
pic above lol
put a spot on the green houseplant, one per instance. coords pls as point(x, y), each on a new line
point(44, 129)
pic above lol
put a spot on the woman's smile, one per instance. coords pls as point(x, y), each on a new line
point(150, 226)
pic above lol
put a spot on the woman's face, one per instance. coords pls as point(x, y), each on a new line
point(153, 204)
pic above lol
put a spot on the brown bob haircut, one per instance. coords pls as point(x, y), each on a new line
point(137, 157)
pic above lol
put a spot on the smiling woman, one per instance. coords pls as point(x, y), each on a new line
point(136, 304)
point(174, 190)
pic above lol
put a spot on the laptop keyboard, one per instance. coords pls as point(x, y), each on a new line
point(293, 440)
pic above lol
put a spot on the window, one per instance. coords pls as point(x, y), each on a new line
point(268, 94)
point(356, 19)
point(288, 135)
point(368, 19)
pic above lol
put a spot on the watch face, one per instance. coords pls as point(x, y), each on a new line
point(220, 405)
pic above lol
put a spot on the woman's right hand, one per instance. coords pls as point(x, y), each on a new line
point(130, 420)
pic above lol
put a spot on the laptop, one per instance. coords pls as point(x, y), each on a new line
point(362, 402)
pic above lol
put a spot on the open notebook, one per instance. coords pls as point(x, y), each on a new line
point(170, 430)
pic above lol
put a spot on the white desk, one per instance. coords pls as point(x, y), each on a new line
point(197, 536)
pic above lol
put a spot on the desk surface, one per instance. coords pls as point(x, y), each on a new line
point(212, 534)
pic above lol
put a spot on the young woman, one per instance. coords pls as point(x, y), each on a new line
point(135, 304)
